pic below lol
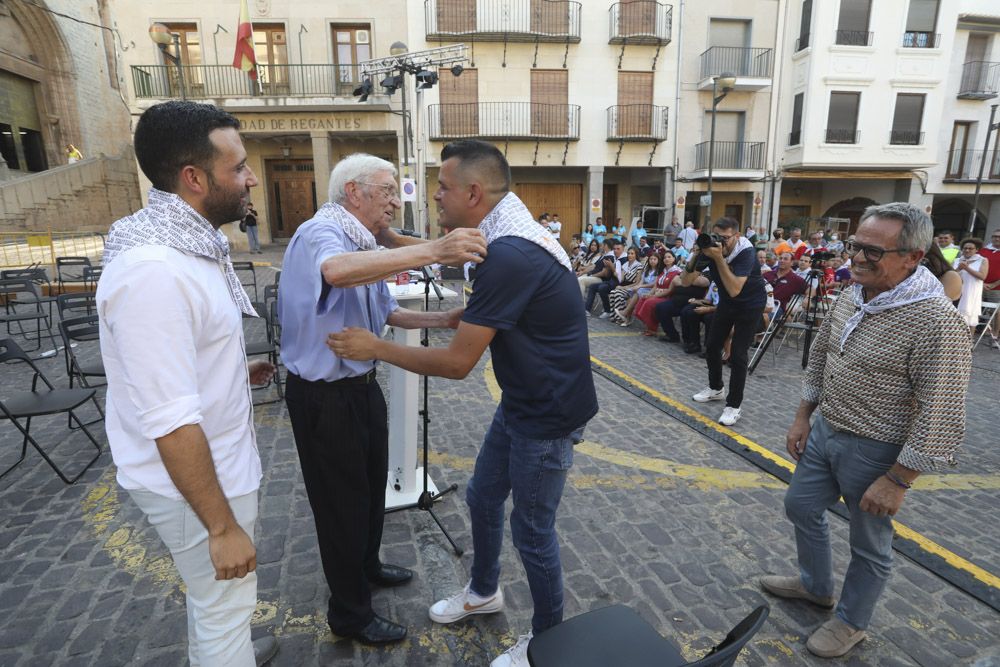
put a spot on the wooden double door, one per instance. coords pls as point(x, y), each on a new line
point(564, 199)
point(291, 193)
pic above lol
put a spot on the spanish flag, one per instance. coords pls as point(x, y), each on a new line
point(245, 58)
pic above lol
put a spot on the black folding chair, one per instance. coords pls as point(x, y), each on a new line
point(244, 268)
point(75, 304)
point(70, 270)
point(83, 354)
point(259, 341)
point(23, 304)
point(91, 274)
point(40, 277)
point(38, 402)
point(616, 635)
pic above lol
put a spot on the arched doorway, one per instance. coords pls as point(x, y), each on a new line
point(851, 209)
point(40, 79)
point(953, 215)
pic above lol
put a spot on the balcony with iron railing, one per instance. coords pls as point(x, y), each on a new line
point(906, 138)
point(964, 165)
point(530, 121)
point(853, 38)
point(503, 20)
point(637, 122)
point(980, 80)
point(223, 81)
point(921, 40)
point(751, 67)
point(640, 22)
point(837, 135)
point(730, 156)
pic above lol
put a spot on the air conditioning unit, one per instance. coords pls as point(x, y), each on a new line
point(362, 37)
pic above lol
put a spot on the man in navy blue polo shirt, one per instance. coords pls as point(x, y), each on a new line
point(525, 306)
point(733, 266)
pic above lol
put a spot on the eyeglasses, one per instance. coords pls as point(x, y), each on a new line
point(388, 191)
point(872, 253)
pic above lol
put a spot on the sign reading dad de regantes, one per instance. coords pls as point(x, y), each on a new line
point(300, 123)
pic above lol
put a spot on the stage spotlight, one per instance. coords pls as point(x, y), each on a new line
point(426, 79)
point(364, 90)
point(391, 83)
point(457, 70)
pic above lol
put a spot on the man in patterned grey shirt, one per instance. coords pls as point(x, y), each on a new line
point(889, 371)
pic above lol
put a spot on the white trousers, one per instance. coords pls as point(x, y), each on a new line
point(218, 612)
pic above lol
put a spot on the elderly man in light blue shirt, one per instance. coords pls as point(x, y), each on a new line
point(332, 278)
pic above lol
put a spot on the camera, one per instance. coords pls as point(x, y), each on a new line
point(707, 240)
point(823, 256)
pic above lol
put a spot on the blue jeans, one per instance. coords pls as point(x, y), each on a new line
point(252, 238)
point(535, 471)
point(837, 464)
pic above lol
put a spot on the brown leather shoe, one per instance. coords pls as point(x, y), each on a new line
point(834, 639)
point(792, 588)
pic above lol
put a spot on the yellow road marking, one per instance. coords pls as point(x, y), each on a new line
point(923, 542)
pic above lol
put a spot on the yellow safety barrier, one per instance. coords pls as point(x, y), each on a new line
point(20, 250)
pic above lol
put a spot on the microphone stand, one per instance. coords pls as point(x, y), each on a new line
point(427, 499)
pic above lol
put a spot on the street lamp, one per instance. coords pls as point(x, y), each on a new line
point(982, 164)
point(724, 82)
point(163, 37)
point(422, 64)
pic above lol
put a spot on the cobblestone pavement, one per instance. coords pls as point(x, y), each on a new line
point(656, 516)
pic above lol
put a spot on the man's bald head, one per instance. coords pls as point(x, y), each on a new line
point(482, 163)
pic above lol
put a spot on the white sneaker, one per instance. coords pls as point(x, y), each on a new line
point(729, 416)
point(465, 603)
point(605, 315)
point(516, 655)
point(708, 394)
point(587, 313)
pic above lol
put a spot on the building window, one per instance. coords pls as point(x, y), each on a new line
point(795, 138)
point(351, 45)
point(842, 121)
point(270, 46)
point(852, 27)
point(190, 43)
point(958, 154)
point(921, 21)
point(459, 96)
point(803, 40)
point(906, 120)
point(550, 102)
point(635, 104)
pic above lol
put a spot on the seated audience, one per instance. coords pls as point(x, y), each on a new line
point(628, 283)
point(644, 308)
point(651, 271)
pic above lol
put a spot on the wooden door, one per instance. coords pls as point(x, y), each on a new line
point(635, 104)
point(609, 203)
point(456, 16)
point(564, 199)
point(459, 103)
point(637, 17)
point(549, 18)
point(735, 211)
point(549, 102)
point(292, 195)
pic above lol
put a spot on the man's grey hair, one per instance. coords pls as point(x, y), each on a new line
point(360, 168)
point(918, 230)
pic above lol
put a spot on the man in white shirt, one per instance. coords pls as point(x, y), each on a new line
point(555, 227)
point(179, 414)
point(688, 235)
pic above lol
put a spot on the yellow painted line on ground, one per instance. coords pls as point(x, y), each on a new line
point(694, 414)
point(925, 543)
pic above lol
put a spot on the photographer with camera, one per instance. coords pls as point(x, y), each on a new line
point(731, 261)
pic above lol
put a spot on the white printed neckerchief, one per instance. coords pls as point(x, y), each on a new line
point(917, 287)
point(170, 221)
point(355, 231)
point(510, 217)
point(741, 244)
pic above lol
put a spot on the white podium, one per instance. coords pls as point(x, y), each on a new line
point(405, 482)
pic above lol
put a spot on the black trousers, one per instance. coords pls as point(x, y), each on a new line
point(342, 435)
point(743, 322)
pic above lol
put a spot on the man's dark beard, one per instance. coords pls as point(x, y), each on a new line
point(222, 206)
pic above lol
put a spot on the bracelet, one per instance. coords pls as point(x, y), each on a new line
point(898, 481)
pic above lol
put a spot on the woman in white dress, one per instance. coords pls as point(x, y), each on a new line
point(973, 268)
